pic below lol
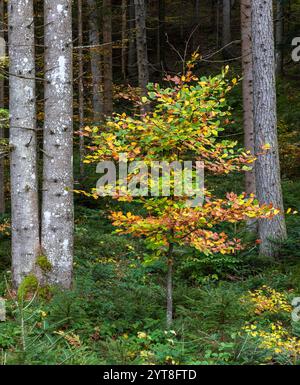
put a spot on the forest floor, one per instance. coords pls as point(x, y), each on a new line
point(228, 309)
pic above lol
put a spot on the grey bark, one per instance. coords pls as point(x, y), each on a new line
point(247, 68)
point(57, 209)
point(279, 26)
point(80, 88)
point(247, 88)
point(268, 182)
point(141, 45)
point(2, 180)
point(107, 59)
point(23, 165)
point(96, 60)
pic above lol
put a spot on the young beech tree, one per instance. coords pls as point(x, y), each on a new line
point(184, 125)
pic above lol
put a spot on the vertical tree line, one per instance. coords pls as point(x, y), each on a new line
point(23, 160)
point(267, 167)
point(247, 69)
point(57, 206)
point(2, 105)
point(96, 60)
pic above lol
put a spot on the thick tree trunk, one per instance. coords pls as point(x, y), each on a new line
point(107, 58)
point(141, 45)
point(57, 210)
point(80, 88)
point(279, 26)
point(2, 180)
point(268, 182)
point(23, 169)
point(247, 87)
point(96, 60)
point(131, 44)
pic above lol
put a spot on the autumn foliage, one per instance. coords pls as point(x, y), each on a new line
point(186, 122)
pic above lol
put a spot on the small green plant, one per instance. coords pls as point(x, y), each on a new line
point(43, 263)
point(29, 285)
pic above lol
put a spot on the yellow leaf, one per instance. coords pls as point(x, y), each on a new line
point(266, 146)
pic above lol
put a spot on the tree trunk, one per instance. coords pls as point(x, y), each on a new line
point(226, 30)
point(124, 39)
point(247, 88)
point(57, 210)
point(23, 166)
point(107, 58)
point(96, 59)
point(279, 26)
point(131, 44)
point(196, 29)
point(181, 18)
point(268, 182)
point(2, 180)
point(213, 14)
point(170, 287)
point(80, 89)
point(216, 22)
point(161, 38)
point(141, 45)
